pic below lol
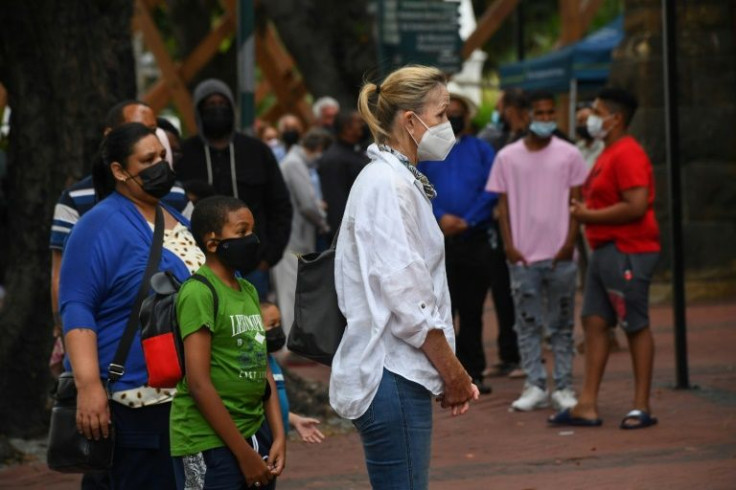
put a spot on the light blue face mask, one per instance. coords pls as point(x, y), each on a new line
point(543, 129)
point(496, 118)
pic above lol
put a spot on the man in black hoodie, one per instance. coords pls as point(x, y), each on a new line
point(241, 166)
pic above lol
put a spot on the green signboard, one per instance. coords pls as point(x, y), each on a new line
point(425, 32)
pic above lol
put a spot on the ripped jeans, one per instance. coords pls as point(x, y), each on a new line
point(533, 287)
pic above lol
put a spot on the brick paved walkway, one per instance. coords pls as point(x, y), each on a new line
point(693, 447)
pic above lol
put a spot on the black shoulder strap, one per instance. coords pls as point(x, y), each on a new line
point(333, 245)
point(206, 282)
point(116, 369)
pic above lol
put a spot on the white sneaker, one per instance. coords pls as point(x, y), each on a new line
point(531, 399)
point(563, 399)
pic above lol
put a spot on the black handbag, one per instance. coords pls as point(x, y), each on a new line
point(318, 322)
point(68, 450)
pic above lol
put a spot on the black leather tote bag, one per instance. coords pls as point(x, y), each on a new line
point(318, 322)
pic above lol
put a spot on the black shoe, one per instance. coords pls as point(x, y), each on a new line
point(482, 388)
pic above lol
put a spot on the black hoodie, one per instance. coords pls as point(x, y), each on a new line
point(259, 181)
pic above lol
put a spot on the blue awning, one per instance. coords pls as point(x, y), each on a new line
point(587, 61)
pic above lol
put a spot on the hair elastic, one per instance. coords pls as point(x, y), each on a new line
point(378, 89)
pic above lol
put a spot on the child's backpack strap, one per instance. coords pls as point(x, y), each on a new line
point(206, 282)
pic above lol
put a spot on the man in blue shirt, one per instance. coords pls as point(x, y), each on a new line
point(464, 211)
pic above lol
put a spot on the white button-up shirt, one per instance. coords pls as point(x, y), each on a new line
point(391, 285)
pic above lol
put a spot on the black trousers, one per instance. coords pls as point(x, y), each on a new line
point(476, 263)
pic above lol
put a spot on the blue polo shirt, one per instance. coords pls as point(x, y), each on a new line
point(460, 181)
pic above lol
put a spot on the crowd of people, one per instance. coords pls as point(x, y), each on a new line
point(428, 216)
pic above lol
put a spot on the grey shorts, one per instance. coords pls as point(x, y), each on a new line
point(617, 287)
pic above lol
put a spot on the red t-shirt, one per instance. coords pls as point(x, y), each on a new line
point(622, 166)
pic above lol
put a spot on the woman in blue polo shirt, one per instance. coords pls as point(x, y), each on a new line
point(102, 269)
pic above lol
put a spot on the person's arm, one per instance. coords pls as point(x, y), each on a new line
point(197, 349)
point(55, 272)
point(80, 292)
point(277, 453)
point(482, 209)
point(512, 254)
point(632, 207)
point(306, 427)
point(568, 248)
point(93, 410)
point(459, 388)
point(65, 217)
point(305, 199)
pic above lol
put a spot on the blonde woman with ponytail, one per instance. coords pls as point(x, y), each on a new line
point(398, 349)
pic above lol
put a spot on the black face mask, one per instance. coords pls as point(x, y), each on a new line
point(275, 339)
point(240, 254)
point(217, 121)
point(290, 137)
point(583, 132)
point(158, 179)
point(457, 123)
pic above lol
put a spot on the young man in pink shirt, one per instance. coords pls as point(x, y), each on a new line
point(536, 178)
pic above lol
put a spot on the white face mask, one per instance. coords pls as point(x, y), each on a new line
point(436, 142)
point(595, 126)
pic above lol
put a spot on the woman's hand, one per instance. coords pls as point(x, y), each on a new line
point(458, 391)
point(306, 428)
point(463, 408)
point(277, 457)
point(93, 411)
point(254, 469)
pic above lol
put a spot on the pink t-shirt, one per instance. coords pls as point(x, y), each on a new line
point(537, 186)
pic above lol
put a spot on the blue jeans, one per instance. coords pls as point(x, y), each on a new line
point(530, 286)
point(396, 431)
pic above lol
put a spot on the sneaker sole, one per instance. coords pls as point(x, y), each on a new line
point(535, 407)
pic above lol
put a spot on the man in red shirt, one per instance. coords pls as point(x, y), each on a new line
point(624, 236)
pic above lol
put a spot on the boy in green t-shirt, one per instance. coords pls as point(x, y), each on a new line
point(219, 410)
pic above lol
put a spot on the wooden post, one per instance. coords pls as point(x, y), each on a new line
point(279, 69)
point(570, 17)
point(174, 83)
point(488, 24)
point(587, 12)
point(279, 73)
point(158, 95)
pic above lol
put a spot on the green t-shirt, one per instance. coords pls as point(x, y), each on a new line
point(237, 366)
